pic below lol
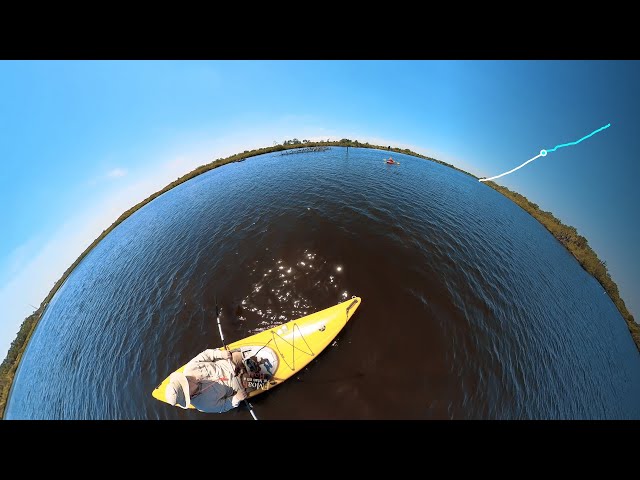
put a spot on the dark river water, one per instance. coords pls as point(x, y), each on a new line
point(470, 308)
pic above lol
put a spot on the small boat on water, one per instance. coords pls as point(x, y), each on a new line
point(390, 161)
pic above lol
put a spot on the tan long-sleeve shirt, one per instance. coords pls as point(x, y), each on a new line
point(216, 381)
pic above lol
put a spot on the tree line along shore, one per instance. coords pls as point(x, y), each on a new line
point(568, 236)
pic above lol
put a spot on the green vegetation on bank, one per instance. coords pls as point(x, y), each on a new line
point(567, 235)
point(579, 247)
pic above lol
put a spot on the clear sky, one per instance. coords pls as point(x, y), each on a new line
point(82, 141)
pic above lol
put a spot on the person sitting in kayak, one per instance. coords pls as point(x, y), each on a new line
point(211, 382)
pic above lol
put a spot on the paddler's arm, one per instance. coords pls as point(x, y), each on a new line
point(211, 355)
point(221, 405)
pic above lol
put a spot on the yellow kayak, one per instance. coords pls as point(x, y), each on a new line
point(274, 355)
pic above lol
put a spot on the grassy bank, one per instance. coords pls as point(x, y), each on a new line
point(580, 249)
point(567, 235)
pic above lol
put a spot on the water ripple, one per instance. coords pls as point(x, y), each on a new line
point(470, 308)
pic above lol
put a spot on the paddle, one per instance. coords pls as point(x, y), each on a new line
point(249, 406)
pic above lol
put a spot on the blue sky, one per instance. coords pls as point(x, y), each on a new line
point(82, 141)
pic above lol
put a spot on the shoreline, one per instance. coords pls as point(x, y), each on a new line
point(578, 246)
point(568, 236)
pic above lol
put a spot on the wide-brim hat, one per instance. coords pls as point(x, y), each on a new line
point(177, 391)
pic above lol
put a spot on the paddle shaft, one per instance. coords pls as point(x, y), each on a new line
point(227, 349)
